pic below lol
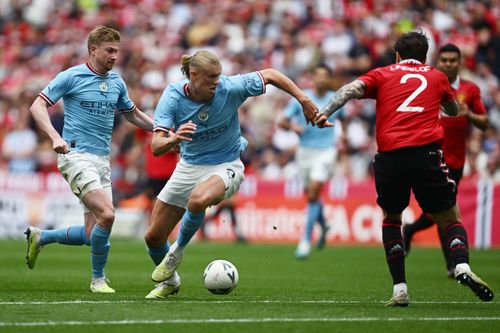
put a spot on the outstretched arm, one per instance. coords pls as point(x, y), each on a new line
point(39, 112)
point(140, 119)
point(355, 89)
point(283, 82)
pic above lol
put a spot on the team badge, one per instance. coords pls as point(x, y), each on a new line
point(203, 115)
point(103, 86)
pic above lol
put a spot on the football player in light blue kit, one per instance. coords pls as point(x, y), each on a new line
point(201, 114)
point(91, 94)
point(315, 156)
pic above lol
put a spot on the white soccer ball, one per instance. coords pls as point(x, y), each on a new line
point(220, 277)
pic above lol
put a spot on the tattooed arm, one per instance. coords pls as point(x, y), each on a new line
point(355, 89)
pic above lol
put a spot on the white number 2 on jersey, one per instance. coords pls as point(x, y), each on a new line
point(404, 107)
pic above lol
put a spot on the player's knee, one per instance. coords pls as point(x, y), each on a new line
point(107, 216)
point(443, 225)
point(198, 202)
point(152, 239)
point(446, 217)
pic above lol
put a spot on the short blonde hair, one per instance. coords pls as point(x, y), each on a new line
point(102, 34)
point(198, 60)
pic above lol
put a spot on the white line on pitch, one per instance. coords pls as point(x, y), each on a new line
point(240, 320)
point(173, 300)
point(226, 302)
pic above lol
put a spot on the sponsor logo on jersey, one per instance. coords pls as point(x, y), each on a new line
point(99, 108)
point(209, 134)
point(102, 105)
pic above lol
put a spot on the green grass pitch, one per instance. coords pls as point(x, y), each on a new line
point(338, 289)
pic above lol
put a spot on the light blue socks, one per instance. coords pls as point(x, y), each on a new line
point(99, 250)
point(74, 235)
point(157, 254)
point(313, 213)
point(321, 216)
point(191, 222)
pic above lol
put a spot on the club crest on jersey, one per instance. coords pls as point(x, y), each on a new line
point(103, 86)
point(203, 115)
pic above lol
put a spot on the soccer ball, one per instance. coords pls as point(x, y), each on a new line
point(220, 277)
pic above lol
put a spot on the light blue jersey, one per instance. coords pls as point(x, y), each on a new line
point(313, 137)
point(90, 100)
point(218, 135)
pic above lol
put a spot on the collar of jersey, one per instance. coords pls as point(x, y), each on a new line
point(456, 83)
point(94, 71)
point(410, 61)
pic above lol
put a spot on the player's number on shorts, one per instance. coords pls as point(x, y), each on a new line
point(405, 106)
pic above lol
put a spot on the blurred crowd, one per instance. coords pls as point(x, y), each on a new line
point(40, 38)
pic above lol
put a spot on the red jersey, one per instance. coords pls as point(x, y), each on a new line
point(456, 128)
point(156, 167)
point(409, 95)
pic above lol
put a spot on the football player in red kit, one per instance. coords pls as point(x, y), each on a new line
point(456, 130)
point(409, 135)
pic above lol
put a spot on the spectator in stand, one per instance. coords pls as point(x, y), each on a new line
point(249, 35)
point(19, 146)
point(46, 157)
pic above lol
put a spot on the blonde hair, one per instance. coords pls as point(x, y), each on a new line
point(102, 34)
point(198, 60)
